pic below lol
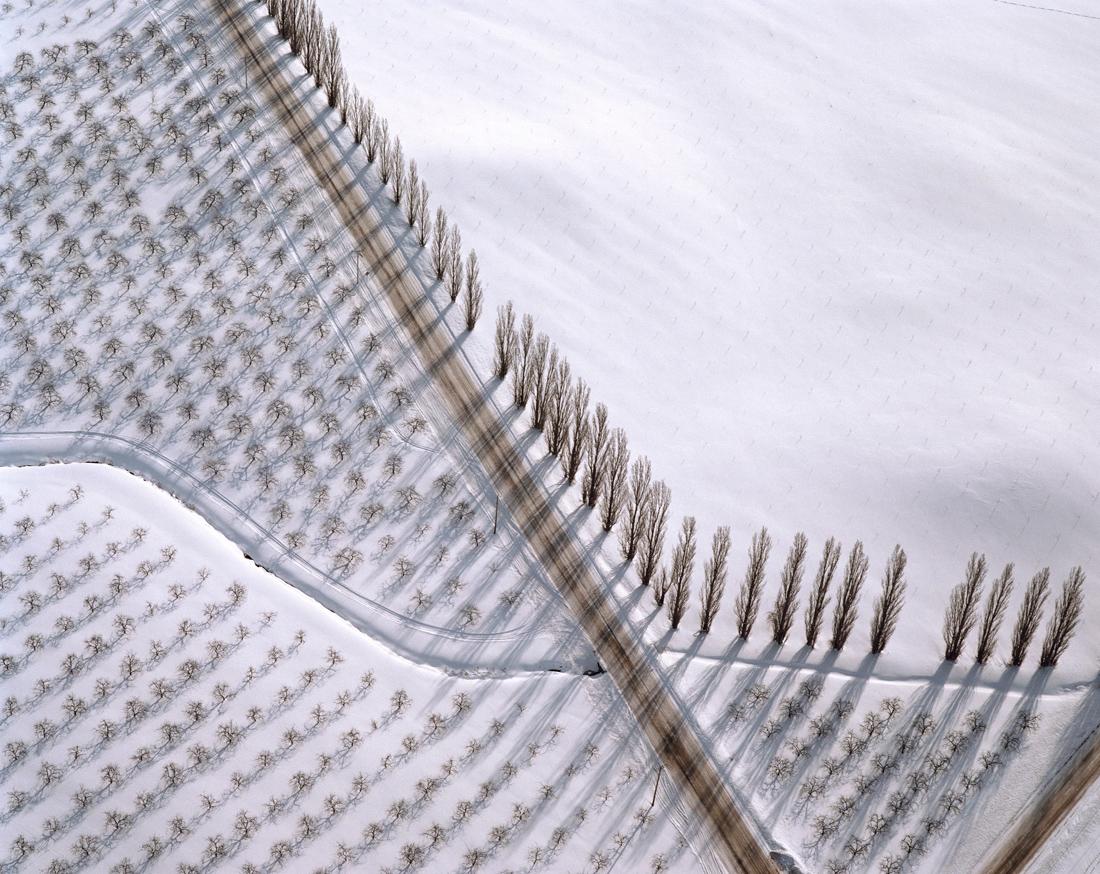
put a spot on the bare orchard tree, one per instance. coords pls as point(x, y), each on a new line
point(615, 487)
point(637, 501)
point(455, 270)
point(962, 608)
point(884, 619)
point(521, 361)
point(474, 293)
point(504, 340)
point(1031, 613)
point(1063, 624)
point(790, 583)
point(714, 578)
point(578, 440)
point(440, 235)
point(747, 606)
point(847, 599)
point(654, 525)
point(561, 401)
point(683, 563)
point(819, 594)
point(996, 604)
point(595, 466)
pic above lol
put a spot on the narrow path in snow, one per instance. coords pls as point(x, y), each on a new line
point(732, 837)
point(1065, 789)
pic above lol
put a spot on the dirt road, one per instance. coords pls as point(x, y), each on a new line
point(732, 839)
point(1022, 844)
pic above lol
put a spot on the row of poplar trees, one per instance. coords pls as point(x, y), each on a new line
point(626, 495)
point(626, 492)
point(301, 24)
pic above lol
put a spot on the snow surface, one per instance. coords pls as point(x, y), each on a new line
point(570, 734)
point(831, 266)
point(137, 334)
point(859, 287)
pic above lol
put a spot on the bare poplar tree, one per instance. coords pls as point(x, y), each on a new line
point(714, 578)
point(747, 606)
point(1031, 613)
point(412, 200)
point(660, 586)
point(683, 563)
point(1063, 624)
point(637, 501)
point(474, 293)
point(884, 619)
point(397, 171)
point(332, 73)
point(358, 120)
point(847, 599)
point(454, 264)
point(578, 439)
point(790, 583)
point(557, 434)
point(962, 608)
point(504, 340)
point(654, 525)
point(440, 234)
point(423, 216)
point(522, 361)
point(369, 122)
point(595, 467)
point(995, 606)
point(544, 366)
point(382, 136)
point(614, 491)
point(819, 594)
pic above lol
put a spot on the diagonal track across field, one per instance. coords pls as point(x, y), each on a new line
point(731, 837)
point(1045, 814)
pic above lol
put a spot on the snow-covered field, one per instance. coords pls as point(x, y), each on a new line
point(171, 706)
point(179, 301)
point(830, 269)
point(832, 266)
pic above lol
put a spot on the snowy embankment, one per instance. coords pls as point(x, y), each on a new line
point(169, 704)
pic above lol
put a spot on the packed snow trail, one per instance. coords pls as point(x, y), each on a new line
point(1046, 813)
point(731, 836)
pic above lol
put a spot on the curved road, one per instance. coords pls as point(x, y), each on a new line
point(732, 838)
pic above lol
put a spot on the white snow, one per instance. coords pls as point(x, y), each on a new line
point(831, 266)
point(141, 333)
point(569, 734)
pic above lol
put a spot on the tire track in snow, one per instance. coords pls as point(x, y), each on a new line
point(732, 837)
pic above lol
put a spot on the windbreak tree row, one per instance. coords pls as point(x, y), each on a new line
point(625, 494)
point(302, 25)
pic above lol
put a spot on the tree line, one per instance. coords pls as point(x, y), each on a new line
point(302, 25)
point(588, 448)
point(626, 494)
